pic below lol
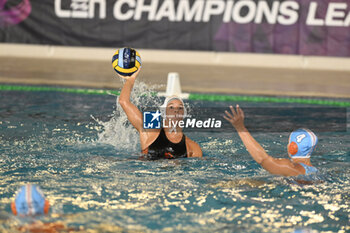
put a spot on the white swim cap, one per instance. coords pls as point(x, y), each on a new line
point(165, 104)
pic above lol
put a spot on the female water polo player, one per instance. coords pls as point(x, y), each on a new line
point(164, 143)
point(302, 143)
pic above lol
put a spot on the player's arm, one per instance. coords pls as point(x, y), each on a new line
point(193, 149)
point(133, 113)
point(275, 166)
point(283, 167)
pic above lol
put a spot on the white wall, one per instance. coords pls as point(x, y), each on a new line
point(180, 57)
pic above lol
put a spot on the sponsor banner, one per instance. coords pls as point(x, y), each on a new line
point(263, 120)
point(307, 27)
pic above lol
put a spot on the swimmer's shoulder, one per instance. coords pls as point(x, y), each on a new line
point(147, 137)
point(193, 149)
point(303, 168)
point(299, 167)
point(282, 166)
point(309, 169)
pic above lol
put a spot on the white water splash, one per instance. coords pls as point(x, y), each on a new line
point(118, 131)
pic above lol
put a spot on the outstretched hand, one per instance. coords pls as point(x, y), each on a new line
point(236, 118)
point(133, 76)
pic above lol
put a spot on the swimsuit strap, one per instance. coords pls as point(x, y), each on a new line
point(308, 169)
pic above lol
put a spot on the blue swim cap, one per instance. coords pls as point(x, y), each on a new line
point(302, 143)
point(30, 201)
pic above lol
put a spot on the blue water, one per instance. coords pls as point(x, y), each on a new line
point(85, 161)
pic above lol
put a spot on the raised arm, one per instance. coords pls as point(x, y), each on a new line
point(133, 113)
point(283, 167)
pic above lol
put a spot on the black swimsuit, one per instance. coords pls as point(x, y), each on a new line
point(162, 148)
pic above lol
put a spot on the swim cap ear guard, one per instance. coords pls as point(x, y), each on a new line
point(30, 201)
point(302, 143)
point(163, 107)
point(292, 148)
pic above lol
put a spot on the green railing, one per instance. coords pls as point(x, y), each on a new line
point(193, 96)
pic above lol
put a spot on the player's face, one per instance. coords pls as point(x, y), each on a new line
point(175, 110)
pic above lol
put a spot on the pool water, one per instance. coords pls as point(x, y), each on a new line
point(83, 154)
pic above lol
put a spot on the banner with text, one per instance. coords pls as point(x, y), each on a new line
point(306, 27)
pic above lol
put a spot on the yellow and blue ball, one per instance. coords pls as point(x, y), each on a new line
point(126, 61)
